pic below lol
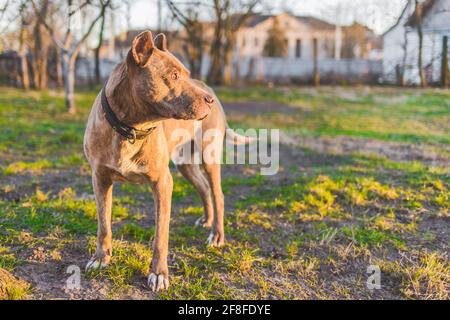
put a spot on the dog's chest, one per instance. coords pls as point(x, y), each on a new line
point(134, 170)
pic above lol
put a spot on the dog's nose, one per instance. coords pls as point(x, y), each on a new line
point(209, 99)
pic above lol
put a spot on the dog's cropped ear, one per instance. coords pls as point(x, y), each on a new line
point(142, 48)
point(161, 42)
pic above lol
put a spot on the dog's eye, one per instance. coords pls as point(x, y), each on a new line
point(175, 75)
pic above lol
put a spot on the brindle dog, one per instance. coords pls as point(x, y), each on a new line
point(152, 89)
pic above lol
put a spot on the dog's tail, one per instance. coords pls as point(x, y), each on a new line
point(237, 139)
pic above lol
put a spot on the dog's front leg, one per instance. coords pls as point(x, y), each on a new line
point(162, 195)
point(102, 185)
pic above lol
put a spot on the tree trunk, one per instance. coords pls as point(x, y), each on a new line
point(198, 47)
point(35, 71)
point(69, 82)
point(423, 79)
point(40, 50)
point(316, 74)
point(444, 64)
point(227, 67)
point(24, 75)
point(194, 58)
point(198, 65)
point(43, 77)
point(59, 69)
point(399, 75)
point(25, 79)
point(227, 78)
point(402, 68)
point(251, 69)
point(230, 40)
point(97, 51)
point(215, 70)
point(159, 4)
point(338, 42)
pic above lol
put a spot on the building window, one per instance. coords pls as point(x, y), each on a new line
point(256, 42)
point(298, 48)
point(243, 42)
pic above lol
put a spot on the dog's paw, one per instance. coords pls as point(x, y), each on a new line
point(96, 263)
point(158, 282)
point(215, 239)
point(202, 222)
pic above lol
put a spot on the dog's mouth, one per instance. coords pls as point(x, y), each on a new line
point(189, 117)
point(177, 117)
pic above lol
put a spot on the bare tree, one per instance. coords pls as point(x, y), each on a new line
point(193, 38)
point(18, 14)
point(67, 44)
point(230, 16)
point(10, 15)
point(227, 18)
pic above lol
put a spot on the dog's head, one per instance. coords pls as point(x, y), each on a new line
point(161, 81)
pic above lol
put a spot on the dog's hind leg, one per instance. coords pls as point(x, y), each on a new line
point(103, 196)
point(194, 174)
point(217, 236)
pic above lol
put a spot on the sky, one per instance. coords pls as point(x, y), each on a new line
point(379, 15)
point(376, 14)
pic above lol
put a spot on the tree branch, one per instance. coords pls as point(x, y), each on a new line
point(185, 21)
point(63, 45)
point(91, 27)
point(3, 10)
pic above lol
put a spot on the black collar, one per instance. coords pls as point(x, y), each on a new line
point(130, 133)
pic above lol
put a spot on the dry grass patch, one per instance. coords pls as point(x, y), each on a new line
point(12, 288)
point(424, 275)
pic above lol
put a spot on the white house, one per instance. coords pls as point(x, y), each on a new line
point(401, 42)
point(357, 45)
point(299, 32)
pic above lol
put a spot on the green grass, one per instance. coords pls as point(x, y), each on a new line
point(412, 116)
point(30, 167)
point(308, 232)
